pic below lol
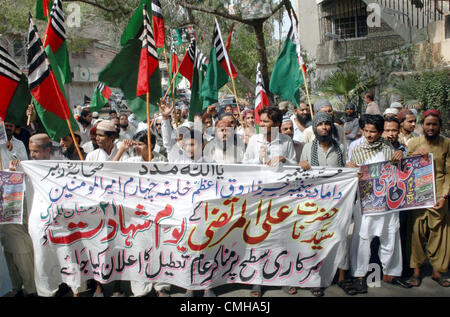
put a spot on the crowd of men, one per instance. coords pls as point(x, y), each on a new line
point(305, 136)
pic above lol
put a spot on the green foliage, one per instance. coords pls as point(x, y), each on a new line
point(348, 83)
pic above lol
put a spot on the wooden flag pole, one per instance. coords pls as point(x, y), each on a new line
point(171, 85)
point(307, 92)
point(67, 115)
point(74, 139)
point(149, 146)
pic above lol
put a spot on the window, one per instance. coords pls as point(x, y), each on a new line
point(346, 18)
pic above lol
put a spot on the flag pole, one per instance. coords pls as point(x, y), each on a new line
point(307, 92)
point(231, 73)
point(149, 146)
point(67, 115)
point(171, 85)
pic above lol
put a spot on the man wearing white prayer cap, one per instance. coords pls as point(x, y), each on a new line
point(106, 134)
point(390, 112)
point(396, 105)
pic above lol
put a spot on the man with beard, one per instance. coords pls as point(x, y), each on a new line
point(325, 151)
point(222, 148)
point(84, 122)
point(407, 126)
point(287, 127)
point(301, 120)
point(68, 147)
point(126, 131)
point(338, 133)
point(391, 133)
point(351, 125)
point(431, 227)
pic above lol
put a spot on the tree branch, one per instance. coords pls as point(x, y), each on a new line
point(94, 3)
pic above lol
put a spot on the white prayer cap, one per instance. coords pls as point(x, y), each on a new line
point(188, 124)
point(106, 126)
point(95, 115)
point(390, 111)
point(396, 105)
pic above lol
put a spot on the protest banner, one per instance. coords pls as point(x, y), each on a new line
point(387, 187)
point(11, 197)
point(196, 226)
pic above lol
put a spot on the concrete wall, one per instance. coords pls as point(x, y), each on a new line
point(308, 24)
point(85, 67)
point(440, 46)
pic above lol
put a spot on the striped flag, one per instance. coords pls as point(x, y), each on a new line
point(220, 69)
point(148, 62)
point(174, 60)
point(100, 98)
point(261, 99)
point(158, 23)
point(55, 37)
point(41, 79)
point(192, 57)
point(14, 92)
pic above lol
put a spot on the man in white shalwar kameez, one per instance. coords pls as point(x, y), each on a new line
point(374, 149)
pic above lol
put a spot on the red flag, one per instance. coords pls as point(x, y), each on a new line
point(227, 45)
point(221, 54)
point(175, 61)
point(149, 60)
point(186, 68)
point(9, 80)
point(261, 99)
point(158, 23)
point(42, 81)
point(55, 34)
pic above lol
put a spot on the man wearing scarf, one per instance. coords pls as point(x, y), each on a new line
point(374, 149)
point(351, 126)
point(431, 227)
point(338, 133)
point(324, 150)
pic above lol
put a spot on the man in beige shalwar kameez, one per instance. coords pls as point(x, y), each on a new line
point(431, 227)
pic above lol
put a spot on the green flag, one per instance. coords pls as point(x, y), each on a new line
point(215, 78)
point(100, 98)
point(42, 12)
point(286, 76)
point(18, 106)
point(122, 72)
point(56, 127)
point(134, 26)
point(196, 102)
